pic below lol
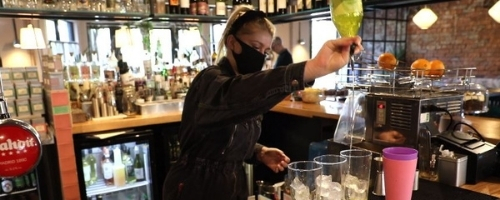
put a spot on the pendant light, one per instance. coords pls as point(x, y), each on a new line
point(425, 18)
point(494, 12)
point(300, 41)
point(32, 38)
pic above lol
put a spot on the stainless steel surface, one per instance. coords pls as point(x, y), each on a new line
point(397, 120)
point(453, 171)
point(415, 181)
point(159, 107)
point(379, 183)
point(249, 173)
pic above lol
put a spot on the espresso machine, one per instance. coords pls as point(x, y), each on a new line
point(424, 119)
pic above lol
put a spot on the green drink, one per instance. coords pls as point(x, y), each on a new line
point(346, 16)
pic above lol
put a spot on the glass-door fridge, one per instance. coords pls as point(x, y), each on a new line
point(117, 165)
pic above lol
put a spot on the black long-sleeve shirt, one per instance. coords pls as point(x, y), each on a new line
point(221, 123)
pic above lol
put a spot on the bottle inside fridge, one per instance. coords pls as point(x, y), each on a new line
point(117, 171)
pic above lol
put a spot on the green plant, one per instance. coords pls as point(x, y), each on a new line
point(146, 28)
point(400, 54)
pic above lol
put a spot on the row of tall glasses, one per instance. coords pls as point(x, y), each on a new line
point(332, 177)
point(347, 176)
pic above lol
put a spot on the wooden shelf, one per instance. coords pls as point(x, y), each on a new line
point(71, 15)
point(303, 15)
point(286, 18)
point(190, 18)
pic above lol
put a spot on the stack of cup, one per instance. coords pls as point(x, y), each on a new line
point(332, 177)
point(399, 165)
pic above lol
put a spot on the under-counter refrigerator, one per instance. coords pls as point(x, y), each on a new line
point(118, 165)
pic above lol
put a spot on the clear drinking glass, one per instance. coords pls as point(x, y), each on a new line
point(357, 176)
point(302, 177)
point(334, 167)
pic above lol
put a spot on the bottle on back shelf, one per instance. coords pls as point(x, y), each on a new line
point(93, 167)
point(263, 6)
point(192, 6)
point(19, 183)
point(220, 8)
point(281, 7)
point(271, 7)
point(86, 168)
point(174, 7)
point(107, 167)
point(119, 174)
point(202, 7)
point(184, 7)
point(139, 165)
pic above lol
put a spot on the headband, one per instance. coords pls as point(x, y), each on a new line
point(246, 17)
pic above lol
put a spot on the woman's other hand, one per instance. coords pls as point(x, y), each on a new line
point(332, 56)
point(273, 158)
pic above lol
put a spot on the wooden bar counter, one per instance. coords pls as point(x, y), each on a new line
point(488, 127)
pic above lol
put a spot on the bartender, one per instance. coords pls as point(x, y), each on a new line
point(221, 119)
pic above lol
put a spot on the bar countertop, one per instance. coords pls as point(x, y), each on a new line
point(489, 128)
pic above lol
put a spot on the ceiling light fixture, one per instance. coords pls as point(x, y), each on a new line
point(494, 12)
point(425, 18)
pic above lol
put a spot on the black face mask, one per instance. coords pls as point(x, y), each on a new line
point(249, 60)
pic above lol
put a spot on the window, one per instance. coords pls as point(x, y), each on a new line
point(61, 37)
point(65, 31)
point(325, 26)
point(217, 31)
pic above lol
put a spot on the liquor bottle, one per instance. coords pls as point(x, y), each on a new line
point(202, 7)
point(318, 3)
point(271, 9)
point(300, 5)
point(192, 6)
point(220, 8)
point(119, 174)
point(160, 7)
point(281, 7)
point(33, 179)
point(138, 165)
point(185, 7)
point(7, 185)
point(107, 167)
point(86, 168)
point(27, 181)
point(19, 183)
point(308, 4)
point(92, 162)
point(263, 6)
point(96, 68)
point(174, 6)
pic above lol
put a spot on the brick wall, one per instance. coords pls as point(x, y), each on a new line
point(464, 36)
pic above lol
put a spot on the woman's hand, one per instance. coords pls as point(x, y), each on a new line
point(332, 56)
point(273, 158)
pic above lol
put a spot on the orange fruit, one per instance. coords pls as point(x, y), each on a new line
point(436, 68)
point(387, 61)
point(421, 65)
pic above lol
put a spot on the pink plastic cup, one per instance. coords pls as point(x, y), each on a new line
point(400, 164)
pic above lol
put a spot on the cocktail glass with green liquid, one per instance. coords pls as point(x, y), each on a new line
point(347, 16)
